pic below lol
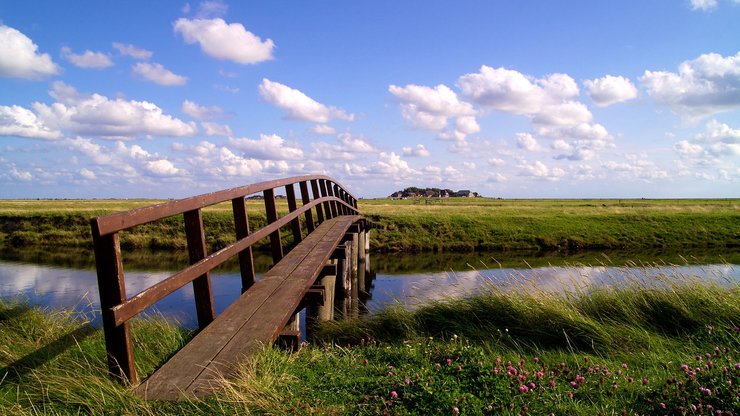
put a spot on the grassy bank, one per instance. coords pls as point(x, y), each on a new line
point(639, 349)
point(452, 225)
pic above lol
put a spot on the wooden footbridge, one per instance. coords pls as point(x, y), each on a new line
point(328, 247)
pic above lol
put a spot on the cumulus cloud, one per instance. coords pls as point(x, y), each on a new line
point(19, 121)
point(610, 90)
point(19, 57)
point(212, 8)
point(718, 141)
point(324, 129)
point(703, 5)
point(388, 165)
point(162, 167)
point(511, 91)
point(527, 142)
point(201, 113)
point(299, 106)
point(158, 74)
point(87, 174)
point(430, 109)
point(215, 129)
point(706, 85)
point(268, 147)
point(348, 148)
point(636, 167)
point(87, 59)
point(417, 151)
point(132, 51)
point(540, 171)
point(20, 175)
point(225, 41)
point(97, 115)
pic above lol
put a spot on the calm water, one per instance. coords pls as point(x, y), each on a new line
point(70, 282)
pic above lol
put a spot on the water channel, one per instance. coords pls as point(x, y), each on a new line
point(67, 280)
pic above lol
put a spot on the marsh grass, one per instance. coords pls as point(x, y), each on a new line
point(652, 346)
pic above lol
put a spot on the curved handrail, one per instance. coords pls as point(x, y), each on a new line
point(329, 200)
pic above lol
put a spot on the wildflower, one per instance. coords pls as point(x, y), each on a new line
point(394, 395)
point(523, 389)
point(540, 374)
point(662, 405)
point(390, 374)
point(684, 368)
point(570, 394)
point(552, 383)
point(710, 328)
point(459, 368)
point(624, 365)
point(536, 359)
point(449, 361)
point(630, 379)
point(455, 410)
point(645, 382)
point(532, 385)
point(364, 361)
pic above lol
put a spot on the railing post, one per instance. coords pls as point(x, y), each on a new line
point(306, 199)
point(197, 251)
point(317, 195)
point(295, 224)
point(113, 293)
point(241, 225)
point(343, 197)
point(276, 243)
point(332, 204)
point(327, 205)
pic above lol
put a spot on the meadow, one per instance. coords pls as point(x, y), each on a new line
point(422, 225)
point(637, 350)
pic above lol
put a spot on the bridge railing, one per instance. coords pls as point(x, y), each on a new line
point(329, 200)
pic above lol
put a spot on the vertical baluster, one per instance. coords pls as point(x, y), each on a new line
point(317, 195)
point(327, 205)
point(197, 251)
point(306, 199)
point(276, 243)
point(112, 293)
point(241, 225)
point(295, 224)
point(332, 204)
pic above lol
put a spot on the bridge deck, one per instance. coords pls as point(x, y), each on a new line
point(251, 322)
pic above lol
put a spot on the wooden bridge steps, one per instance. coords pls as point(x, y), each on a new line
point(250, 323)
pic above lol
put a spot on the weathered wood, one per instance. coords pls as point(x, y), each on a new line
point(276, 243)
point(317, 195)
point(295, 224)
point(112, 290)
point(241, 226)
point(196, 252)
point(111, 223)
point(305, 198)
point(253, 321)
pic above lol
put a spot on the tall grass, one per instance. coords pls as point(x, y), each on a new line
point(654, 346)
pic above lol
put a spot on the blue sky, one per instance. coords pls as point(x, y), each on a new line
point(511, 99)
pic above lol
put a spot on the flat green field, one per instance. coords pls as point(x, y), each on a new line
point(450, 224)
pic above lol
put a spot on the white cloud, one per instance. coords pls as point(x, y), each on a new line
point(568, 113)
point(158, 74)
point(636, 167)
point(132, 51)
point(541, 171)
point(324, 129)
point(495, 161)
point(24, 176)
point(88, 59)
point(19, 121)
point(225, 41)
point(348, 148)
point(389, 166)
point(212, 8)
point(162, 167)
point(215, 129)
point(417, 151)
point(719, 140)
point(497, 178)
point(355, 144)
point(704, 86)
point(19, 59)
point(201, 113)
point(686, 149)
point(719, 132)
point(610, 90)
point(233, 165)
point(87, 174)
point(268, 147)
point(703, 5)
point(430, 109)
point(511, 91)
point(299, 106)
point(527, 142)
point(98, 115)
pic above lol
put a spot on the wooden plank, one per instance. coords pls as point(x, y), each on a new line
point(305, 198)
point(276, 243)
point(317, 195)
point(198, 359)
point(241, 226)
point(295, 224)
point(114, 222)
point(112, 289)
point(196, 252)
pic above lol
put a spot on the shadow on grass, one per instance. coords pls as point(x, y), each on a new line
point(24, 365)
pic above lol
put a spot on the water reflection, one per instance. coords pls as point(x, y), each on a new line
point(70, 282)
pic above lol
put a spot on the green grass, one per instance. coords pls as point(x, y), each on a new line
point(448, 225)
point(656, 348)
